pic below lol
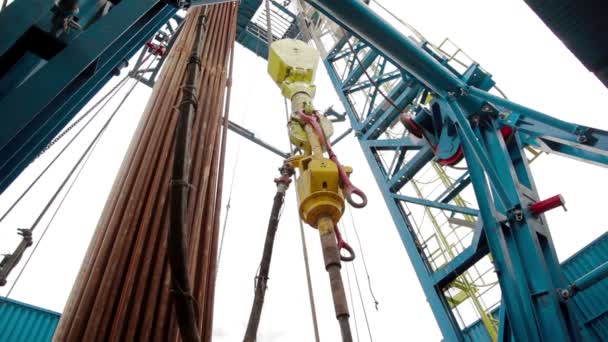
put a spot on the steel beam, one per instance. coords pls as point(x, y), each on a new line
point(356, 17)
point(437, 205)
point(67, 81)
point(249, 135)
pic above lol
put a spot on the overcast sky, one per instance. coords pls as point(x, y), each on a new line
point(528, 62)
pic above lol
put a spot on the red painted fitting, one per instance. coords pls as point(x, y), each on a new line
point(411, 125)
point(156, 49)
point(547, 204)
point(506, 131)
point(453, 160)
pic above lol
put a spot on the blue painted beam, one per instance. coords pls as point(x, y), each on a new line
point(391, 114)
point(589, 279)
point(194, 3)
point(70, 79)
point(361, 21)
point(561, 137)
point(454, 190)
point(393, 144)
point(338, 53)
point(377, 112)
point(463, 261)
point(360, 68)
point(437, 205)
point(377, 81)
point(410, 169)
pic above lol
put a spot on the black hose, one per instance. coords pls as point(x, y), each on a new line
point(184, 303)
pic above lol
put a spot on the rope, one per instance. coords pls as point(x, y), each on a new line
point(81, 161)
point(350, 294)
point(370, 79)
point(107, 98)
point(232, 180)
point(369, 282)
point(221, 246)
point(311, 299)
point(50, 222)
point(369, 331)
point(111, 94)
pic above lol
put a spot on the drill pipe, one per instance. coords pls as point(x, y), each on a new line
point(122, 291)
point(331, 256)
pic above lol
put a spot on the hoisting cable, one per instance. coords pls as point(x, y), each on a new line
point(311, 297)
point(369, 281)
point(234, 173)
point(48, 225)
point(369, 78)
point(287, 172)
point(369, 331)
point(11, 260)
point(352, 302)
point(262, 279)
point(183, 300)
point(228, 202)
point(107, 98)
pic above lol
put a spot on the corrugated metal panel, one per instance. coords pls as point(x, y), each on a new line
point(582, 26)
point(591, 305)
point(592, 302)
point(23, 322)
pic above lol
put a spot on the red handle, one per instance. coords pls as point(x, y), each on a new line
point(349, 188)
point(343, 245)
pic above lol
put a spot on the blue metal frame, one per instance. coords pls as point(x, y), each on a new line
point(388, 183)
point(520, 243)
point(69, 79)
point(253, 35)
point(48, 73)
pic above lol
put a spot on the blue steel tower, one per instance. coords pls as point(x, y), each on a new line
point(451, 114)
point(421, 114)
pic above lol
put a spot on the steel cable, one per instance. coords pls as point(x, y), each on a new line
point(80, 163)
point(105, 99)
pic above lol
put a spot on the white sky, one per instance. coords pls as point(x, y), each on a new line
point(528, 62)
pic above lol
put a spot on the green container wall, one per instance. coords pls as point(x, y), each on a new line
point(20, 322)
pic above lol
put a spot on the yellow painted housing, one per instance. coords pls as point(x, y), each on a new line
point(318, 189)
point(292, 64)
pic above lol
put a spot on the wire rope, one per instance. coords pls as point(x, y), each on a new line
point(232, 181)
point(369, 281)
point(311, 298)
point(302, 236)
point(43, 172)
point(369, 331)
point(107, 98)
point(350, 294)
point(80, 163)
point(50, 222)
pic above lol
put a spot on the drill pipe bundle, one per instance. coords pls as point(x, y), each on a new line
point(123, 289)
